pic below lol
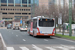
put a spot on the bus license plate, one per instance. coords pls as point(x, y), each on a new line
point(45, 34)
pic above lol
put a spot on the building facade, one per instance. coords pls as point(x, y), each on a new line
point(15, 9)
point(44, 3)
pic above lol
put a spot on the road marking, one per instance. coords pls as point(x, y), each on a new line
point(50, 48)
point(37, 48)
point(70, 47)
point(45, 39)
point(64, 39)
point(24, 48)
point(10, 48)
point(16, 35)
point(2, 40)
point(63, 48)
point(24, 40)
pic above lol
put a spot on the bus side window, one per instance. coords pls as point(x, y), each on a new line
point(34, 23)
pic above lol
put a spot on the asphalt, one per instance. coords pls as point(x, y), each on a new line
point(17, 40)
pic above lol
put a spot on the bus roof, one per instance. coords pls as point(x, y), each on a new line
point(41, 17)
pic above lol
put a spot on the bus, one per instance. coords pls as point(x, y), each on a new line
point(41, 26)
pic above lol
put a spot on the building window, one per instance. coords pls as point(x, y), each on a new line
point(4, 13)
point(20, 9)
point(24, 9)
point(24, 13)
point(10, 1)
point(9, 9)
point(26, 17)
point(13, 9)
point(24, 1)
point(29, 1)
point(3, 5)
point(29, 13)
point(16, 9)
point(1, 8)
point(17, 13)
point(10, 13)
point(27, 9)
point(3, 1)
point(6, 9)
point(10, 5)
point(17, 1)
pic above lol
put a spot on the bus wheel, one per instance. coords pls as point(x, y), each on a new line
point(33, 34)
point(48, 36)
point(29, 33)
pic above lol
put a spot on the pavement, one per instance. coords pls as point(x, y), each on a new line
point(16, 40)
point(65, 33)
point(3, 27)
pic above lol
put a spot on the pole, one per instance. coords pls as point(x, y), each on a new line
point(21, 3)
point(70, 17)
point(33, 7)
point(14, 3)
point(27, 3)
point(0, 2)
point(55, 21)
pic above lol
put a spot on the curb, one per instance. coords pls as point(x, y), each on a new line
point(4, 45)
point(63, 38)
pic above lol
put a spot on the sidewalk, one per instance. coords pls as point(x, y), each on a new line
point(66, 33)
point(3, 27)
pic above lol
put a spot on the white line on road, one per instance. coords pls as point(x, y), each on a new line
point(64, 39)
point(70, 47)
point(24, 40)
point(10, 48)
point(37, 48)
point(63, 48)
point(2, 40)
point(45, 39)
point(50, 48)
point(24, 48)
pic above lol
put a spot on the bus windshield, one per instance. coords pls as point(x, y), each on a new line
point(46, 22)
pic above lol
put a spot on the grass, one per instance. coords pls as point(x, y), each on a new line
point(66, 36)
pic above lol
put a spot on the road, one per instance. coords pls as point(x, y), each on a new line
point(16, 40)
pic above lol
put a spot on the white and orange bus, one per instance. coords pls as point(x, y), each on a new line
point(41, 26)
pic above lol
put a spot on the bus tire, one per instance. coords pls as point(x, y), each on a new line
point(29, 33)
point(33, 34)
point(48, 36)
